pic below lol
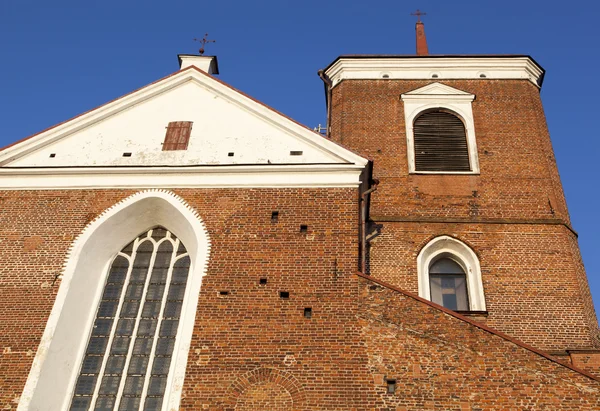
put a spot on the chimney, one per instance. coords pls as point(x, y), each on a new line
point(421, 40)
point(207, 64)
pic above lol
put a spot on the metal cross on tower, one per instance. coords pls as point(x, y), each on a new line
point(418, 13)
point(203, 41)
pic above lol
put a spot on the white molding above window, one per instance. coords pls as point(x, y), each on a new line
point(445, 246)
point(439, 96)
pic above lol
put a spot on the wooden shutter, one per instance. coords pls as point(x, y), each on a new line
point(440, 143)
point(177, 136)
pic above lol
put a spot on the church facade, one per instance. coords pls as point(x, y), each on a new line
point(185, 247)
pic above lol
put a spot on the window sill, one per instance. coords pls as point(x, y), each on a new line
point(472, 313)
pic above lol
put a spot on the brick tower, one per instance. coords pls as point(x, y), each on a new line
point(467, 175)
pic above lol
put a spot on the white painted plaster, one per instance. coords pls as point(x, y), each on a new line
point(52, 377)
point(436, 96)
point(445, 246)
point(445, 67)
point(224, 121)
point(204, 63)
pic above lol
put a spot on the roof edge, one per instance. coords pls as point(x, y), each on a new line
point(439, 56)
point(476, 324)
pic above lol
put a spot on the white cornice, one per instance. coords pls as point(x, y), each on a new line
point(443, 67)
point(319, 175)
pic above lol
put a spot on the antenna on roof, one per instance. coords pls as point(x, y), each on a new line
point(203, 41)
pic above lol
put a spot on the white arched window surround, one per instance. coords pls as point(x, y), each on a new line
point(439, 96)
point(445, 246)
point(55, 367)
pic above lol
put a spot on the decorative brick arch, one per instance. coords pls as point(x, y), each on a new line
point(269, 378)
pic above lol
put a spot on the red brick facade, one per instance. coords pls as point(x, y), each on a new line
point(254, 349)
point(513, 214)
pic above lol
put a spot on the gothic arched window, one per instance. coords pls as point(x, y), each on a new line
point(448, 284)
point(128, 356)
point(440, 142)
point(449, 274)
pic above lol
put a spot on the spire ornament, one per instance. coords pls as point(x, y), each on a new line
point(204, 41)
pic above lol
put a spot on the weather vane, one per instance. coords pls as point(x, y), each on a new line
point(203, 41)
point(418, 13)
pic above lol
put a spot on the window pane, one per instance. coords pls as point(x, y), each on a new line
point(91, 364)
point(445, 266)
point(142, 346)
point(449, 291)
point(138, 365)
point(129, 403)
point(115, 364)
point(153, 404)
point(105, 404)
point(141, 291)
point(110, 385)
point(81, 404)
point(85, 385)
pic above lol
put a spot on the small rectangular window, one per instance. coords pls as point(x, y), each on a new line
point(391, 386)
point(177, 136)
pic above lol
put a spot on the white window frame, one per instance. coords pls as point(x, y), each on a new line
point(445, 246)
point(55, 368)
point(439, 96)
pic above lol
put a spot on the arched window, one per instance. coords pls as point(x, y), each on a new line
point(440, 142)
point(440, 130)
point(449, 274)
point(448, 284)
point(128, 355)
point(137, 339)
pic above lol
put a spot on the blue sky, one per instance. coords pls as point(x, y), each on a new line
point(60, 58)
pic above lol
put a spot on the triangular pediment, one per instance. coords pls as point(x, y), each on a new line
point(436, 89)
point(228, 128)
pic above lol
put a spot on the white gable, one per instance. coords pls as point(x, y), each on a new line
point(224, 121)
point(436, 89)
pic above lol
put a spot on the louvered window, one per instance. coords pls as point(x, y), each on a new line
point(440, 142)
point(177, 136)
point(128, 356)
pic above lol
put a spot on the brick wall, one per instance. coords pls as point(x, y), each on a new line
point(250, 327)
point(513, 214)
point(252, 349)
point(441, 362)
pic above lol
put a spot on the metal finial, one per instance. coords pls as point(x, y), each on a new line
point(418, 13)
point(203, 41)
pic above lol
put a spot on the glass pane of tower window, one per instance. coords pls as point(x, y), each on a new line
point(448, 285)
point(149, 295)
